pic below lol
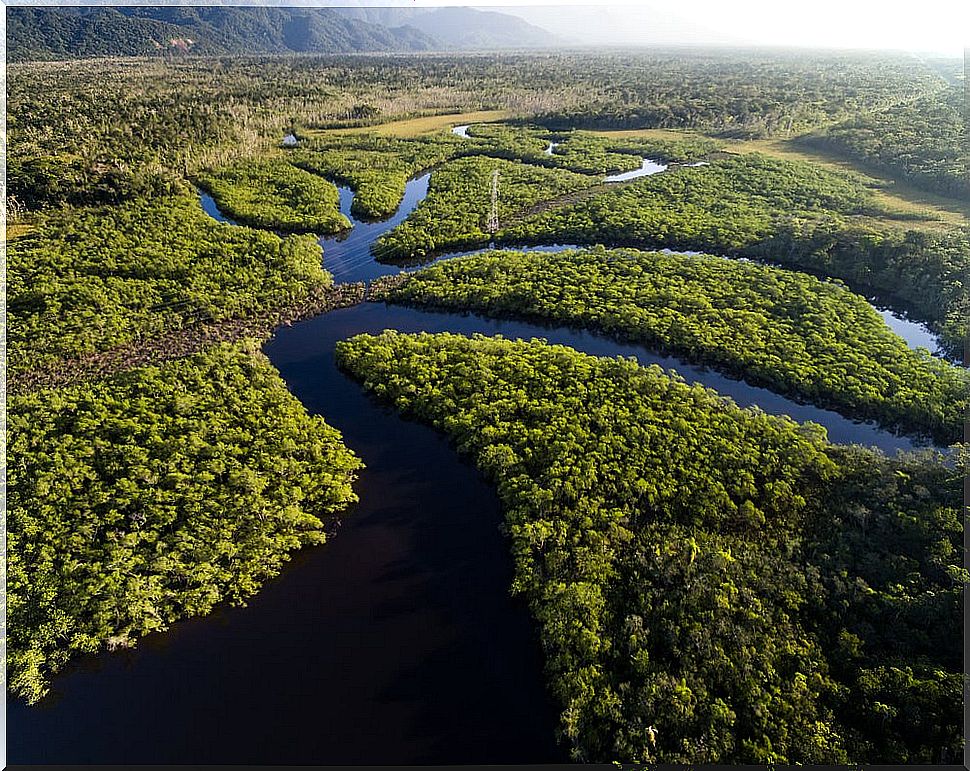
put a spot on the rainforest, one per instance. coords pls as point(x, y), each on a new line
point(546, 407)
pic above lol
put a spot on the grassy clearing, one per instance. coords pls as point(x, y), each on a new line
point(413, 127)
point(18, 230)
point(669, 134)
point(896, 196)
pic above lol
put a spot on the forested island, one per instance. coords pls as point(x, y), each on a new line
point(704, 583)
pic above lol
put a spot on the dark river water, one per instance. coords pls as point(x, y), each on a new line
point(395, 643)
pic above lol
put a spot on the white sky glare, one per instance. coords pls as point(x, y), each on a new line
point(932, 26)
point(940, 26)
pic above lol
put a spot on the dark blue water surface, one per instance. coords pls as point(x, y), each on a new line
point(348, 255)
point(210, 207)
point(395, 643)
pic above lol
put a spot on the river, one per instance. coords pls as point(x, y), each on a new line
point(395, 643)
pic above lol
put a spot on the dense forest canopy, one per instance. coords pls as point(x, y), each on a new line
point(787, 330)
point(788, 212)
point(274, 194)
point(712, 585)
point(376, 167)
point(924, 142)
point(120, 493)
point(90, 279)
point(727, 204)
point(455, 213)
point(80, 127)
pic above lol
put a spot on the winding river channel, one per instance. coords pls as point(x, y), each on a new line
point(395, 643)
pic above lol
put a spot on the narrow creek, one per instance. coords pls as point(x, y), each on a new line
point(395, 643)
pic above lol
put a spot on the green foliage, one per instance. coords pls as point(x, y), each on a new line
point(455, 213)
point(730, 204)
point(377, 179)
point(890, 555)
point(87, 280)
point(506, 140)
point(87, 134)
point(138, 120)
point(686, 149)
point(753, 94)
point(712, 584)
point(782, 211)
point(785, 330)
point(155, 496)
point(927, 272)
point(376, 167)
point(64, 179)
point(691, 565)
point(580, 151)
point(924, 142)
point(273, 194)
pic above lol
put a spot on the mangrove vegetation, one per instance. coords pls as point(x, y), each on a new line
point(711, 584)
point(154, 496)
point(786, 212)
point(785, 330)
point(275, 195)
point(455, 213)
point(88, 279)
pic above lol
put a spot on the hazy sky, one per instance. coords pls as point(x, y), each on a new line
point(927, 25)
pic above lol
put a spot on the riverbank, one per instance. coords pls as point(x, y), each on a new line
point(182, 342)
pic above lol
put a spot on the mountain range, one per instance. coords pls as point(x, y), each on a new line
point(68, 32)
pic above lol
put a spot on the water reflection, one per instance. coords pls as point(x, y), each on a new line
point(647, 167)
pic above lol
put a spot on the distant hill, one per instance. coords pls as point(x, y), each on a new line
point(77, 32)
point(461, 28)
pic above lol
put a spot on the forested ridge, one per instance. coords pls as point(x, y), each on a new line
point(712, 585)
point(154, 496)
point(68, 33)
point(786, 330)
point(65, 33)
